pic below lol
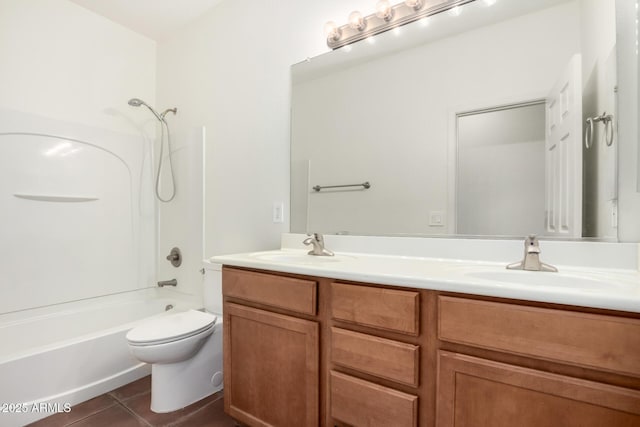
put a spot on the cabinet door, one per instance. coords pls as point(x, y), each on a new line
point(271, 366)
point(475, 392)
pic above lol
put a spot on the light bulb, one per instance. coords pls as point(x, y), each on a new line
point(331, 31)
point(356, 21)
point(384, 10)
point(414, 4)
point(490, 2)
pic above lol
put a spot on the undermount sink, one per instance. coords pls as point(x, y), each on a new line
point(299, 258)
point(539, 278)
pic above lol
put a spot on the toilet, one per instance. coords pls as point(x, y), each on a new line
point(184, 349)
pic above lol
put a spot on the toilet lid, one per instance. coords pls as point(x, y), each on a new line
point(171, 327)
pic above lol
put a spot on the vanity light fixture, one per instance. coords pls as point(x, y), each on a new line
point(356, 21)
point(385, 18)
point(331, 31)
point(384, 10)
point(414, 4)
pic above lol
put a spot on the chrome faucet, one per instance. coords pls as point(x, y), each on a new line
point(317, 241)
point(531, 259)
point(172, 282)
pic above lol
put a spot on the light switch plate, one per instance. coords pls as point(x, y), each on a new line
point(278, 212)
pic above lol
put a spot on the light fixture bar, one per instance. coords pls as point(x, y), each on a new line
point(401, 14)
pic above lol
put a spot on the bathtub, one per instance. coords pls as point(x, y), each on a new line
point(56, 356)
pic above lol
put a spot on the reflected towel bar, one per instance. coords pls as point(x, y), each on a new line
point(46, 198)
point(366, 185)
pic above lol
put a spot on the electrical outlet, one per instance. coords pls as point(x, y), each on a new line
point(436, 219)
point(278, 212)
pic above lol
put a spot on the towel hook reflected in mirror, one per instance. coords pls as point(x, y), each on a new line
point(607, 120)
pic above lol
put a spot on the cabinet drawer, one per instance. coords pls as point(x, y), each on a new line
point(277, 291)
point(381, 357)
point(599, 341)
point(382, 308)
point(361, 403)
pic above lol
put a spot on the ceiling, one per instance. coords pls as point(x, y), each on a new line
point(153, 18)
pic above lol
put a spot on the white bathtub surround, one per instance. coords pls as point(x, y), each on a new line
point(89, 236)
point(72, 352)
point(591, 274)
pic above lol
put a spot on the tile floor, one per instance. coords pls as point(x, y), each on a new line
point(129, 406)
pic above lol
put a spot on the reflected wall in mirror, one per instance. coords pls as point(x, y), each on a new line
point(388, 112)
point(500, 159)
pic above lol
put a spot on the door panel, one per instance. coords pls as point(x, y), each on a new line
point(563, 148)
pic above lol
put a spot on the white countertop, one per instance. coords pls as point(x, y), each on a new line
point(608, 288)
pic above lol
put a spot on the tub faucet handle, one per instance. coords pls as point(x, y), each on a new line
point(175, 257)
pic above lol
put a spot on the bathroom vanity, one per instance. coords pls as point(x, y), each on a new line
point(324, 349)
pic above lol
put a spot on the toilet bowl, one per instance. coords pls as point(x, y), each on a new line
point(184, 350)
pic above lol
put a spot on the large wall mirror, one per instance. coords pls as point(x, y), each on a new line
point(470, 125)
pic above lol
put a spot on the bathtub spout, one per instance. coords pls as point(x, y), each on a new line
point(172, 282)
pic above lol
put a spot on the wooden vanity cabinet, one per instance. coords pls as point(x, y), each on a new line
point(304, 351)
point(271, 359)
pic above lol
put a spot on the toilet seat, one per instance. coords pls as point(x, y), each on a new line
point(170, 328)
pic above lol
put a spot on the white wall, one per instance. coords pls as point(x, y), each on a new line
point(63, 62)
point(229, 72)
point(501, 157)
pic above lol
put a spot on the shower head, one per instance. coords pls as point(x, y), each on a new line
point(136, 102)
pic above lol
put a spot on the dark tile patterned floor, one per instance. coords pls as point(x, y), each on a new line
point(129, 406)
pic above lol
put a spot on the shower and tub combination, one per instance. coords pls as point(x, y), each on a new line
point(136, 102)
point(79, 216)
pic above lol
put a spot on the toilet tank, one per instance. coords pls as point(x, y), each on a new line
point(212, 287)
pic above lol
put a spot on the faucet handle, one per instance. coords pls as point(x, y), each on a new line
point(531, 244)
point(175, 257)
point(317, 240)
point(531, 260)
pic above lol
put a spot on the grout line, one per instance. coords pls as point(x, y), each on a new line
point(189, 415)
point(128, 398)
point(135, 414)
point(91, 414)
